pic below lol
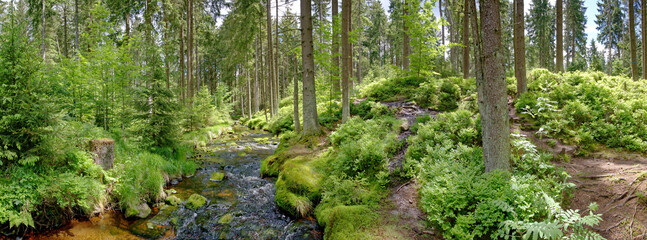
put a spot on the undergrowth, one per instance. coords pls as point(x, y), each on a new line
point(587, 109)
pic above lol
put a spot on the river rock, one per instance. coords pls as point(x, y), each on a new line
point(174, 182)
point(173, 200)
point(103, 152)
point(195, 201)
point(140, 211)
point(217, 176)
point(404, 126)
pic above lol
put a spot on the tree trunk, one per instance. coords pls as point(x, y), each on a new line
point(346, 59)
point(270, 57)
point(559, 49)
point(466, 40)
point(610, 62)
point(43, 29)
point(632, 38)
point(405, 38)
point(256, 93)
point(76, 25)
point(182, 81)
point(643, 8)
point(189, 58)
point(335, 48)
point(519, 47)
point(295, 99)
point(442, 27)
point(493, 103)
point(277, 86)
point(310, 119)
point(65, 49)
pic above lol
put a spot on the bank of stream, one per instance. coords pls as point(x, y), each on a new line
point(240, 204)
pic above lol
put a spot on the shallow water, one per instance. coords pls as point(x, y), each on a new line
point(241, 206)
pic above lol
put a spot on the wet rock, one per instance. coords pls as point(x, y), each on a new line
point(173, 200)
point(404, 126)
point(226, 218)
point(104, 152)
point(140, 211)
point(217, 176)
point(174, 182)
point(195, 201)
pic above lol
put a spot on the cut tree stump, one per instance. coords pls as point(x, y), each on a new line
point(103, 152)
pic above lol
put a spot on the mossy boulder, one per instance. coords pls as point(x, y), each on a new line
point(226, 218)
point(173, 200)
point(273, 165)
point(296, 205)
point(139, 211)
point(217, 176)
point(298, 187)
point(195, 201)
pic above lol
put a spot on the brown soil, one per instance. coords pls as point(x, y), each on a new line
point(613, 179)
point(402, 207)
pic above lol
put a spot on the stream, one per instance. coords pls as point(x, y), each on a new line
point(240, 206)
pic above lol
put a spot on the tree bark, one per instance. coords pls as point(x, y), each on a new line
point(632, 38)
point(466, 40)
point(442, 27)
point(189, 65)
point(335, 48)
point(519, 48)
point(256, 93)
point(310, 118)
point(297, 125)
point(76, 25)
point(277, 86)
point(405, 38)
point(65, 49)
point(559, 49)
point(182, 80)
point(270, 57)
point(643, 8)
point(347, 58)
point(43, 28)
point(493, 102)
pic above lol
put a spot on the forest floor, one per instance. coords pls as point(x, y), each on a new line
point(402, 207)
point(613, 179)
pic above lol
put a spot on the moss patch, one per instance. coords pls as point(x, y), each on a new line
point(195, 201)
point(347, 222)
point(273, 165)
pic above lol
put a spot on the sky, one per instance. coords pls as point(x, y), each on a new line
point(591, 11)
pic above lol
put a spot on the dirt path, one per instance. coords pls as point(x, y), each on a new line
point(403, 207)
point(613, 179)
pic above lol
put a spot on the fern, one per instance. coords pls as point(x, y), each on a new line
point(561, 224)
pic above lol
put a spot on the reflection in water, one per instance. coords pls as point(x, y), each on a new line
point(241, 205)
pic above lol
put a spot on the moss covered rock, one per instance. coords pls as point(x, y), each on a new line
point(226, 218)
point(195, 201)
point(217, 176)
point(140, 211)
point(296, 205)
point(173, 200)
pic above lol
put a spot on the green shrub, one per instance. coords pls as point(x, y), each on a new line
point(392, 89)
point(449, 96)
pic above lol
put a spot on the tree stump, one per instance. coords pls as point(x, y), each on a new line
point(103, 152)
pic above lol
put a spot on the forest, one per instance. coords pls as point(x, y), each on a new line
point(323, 119)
